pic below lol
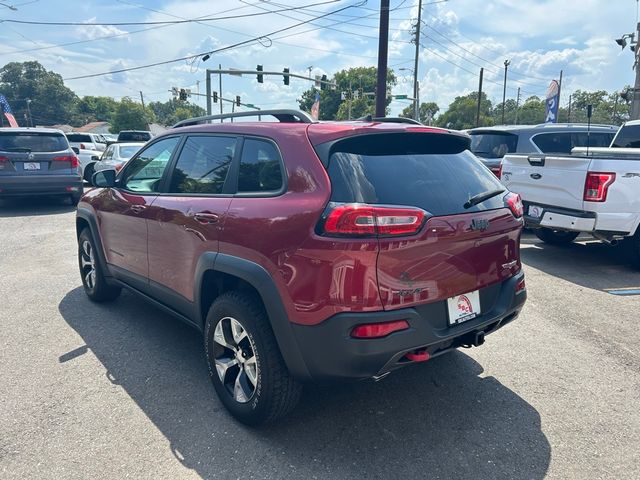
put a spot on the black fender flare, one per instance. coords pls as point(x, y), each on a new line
point(260, 279)
point(90, 218)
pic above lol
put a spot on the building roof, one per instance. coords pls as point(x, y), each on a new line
point(94, 127)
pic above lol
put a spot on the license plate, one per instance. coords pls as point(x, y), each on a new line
point(463, 307)
point(535, 211)
point(32, 166)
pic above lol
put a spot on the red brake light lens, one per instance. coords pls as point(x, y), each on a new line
point(597, 185)
point(3, 159)
point(369, 220)
point(497, 171)
point(379, 330)
point(521, 286)
point(82, 146)
point(68, 158)
point(514, 202)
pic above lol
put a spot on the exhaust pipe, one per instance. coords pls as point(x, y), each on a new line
point(606, 239)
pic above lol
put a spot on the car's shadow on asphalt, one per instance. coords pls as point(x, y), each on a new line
point(436, 420)
point(587, 263)
point(34, 206)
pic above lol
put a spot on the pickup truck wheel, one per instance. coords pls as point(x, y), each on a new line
point(245, 364)
point(93, 281)
point(555, 237)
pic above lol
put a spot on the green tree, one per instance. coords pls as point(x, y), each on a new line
point(607, 107)
point(130, 115)
point(426, 112)
point(94, 109)
point(332, 107)
point(170, 112)
point(532, 111)
point(51, 102)
point(461, 114)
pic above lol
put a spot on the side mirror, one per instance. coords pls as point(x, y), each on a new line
point(104, 179)
point(95, 158)
point(76, 150)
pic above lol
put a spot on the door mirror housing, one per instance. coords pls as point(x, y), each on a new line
point(76, 150)
point(104, 179)
point(95, 158)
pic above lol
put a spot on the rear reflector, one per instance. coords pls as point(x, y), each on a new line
point(379, 330)
point(520, 286)
point(597, 185)
point(368, 220)
point(68, 158)
point(514, 202)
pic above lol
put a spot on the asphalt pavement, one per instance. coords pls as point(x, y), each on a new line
point(121, 390)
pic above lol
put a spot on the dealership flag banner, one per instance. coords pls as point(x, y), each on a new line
point(552, 102)
point(6, 109)
point(315, 108)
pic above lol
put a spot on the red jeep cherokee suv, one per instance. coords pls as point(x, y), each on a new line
point(306, 250)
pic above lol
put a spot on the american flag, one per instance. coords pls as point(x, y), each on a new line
point(6, 109)
point(315, 108)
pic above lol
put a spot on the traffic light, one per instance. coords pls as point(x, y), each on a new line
point(323, 85)
point(237, 100)
point(183, 95)
point(285, 76)
point(215, 97)
point(260, 76)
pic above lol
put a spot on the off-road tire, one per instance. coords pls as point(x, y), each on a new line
point(276, 392)
point(95, 286)
point(555, 237)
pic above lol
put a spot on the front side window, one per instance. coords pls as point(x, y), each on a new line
point(143, 173)
point(260, 169)
point(203, 165)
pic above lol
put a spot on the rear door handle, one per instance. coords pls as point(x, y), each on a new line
point(206, 218)
point(138, 208)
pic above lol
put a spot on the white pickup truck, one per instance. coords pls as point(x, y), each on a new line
point(564, 195)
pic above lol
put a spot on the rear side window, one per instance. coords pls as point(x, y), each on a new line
point(128, 152)
point(79, 137)
point(563, 142)
point(429, 171)
point(493, 144)
point(203, 165)
point(628, 137)
point(260, 167)
point(134, 137)
point(32, 142)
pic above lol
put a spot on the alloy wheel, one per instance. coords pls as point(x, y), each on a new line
point(88, 264)
point(235, 359)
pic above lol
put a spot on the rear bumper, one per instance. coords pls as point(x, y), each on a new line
point(41, 185)
point(560, 218)
point(331, 353)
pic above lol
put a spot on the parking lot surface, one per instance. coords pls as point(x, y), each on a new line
point(121, 390)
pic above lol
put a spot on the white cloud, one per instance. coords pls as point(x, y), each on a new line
point(93, 32)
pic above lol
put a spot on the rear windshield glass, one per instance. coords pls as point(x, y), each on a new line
point(564, 142)
point(628, 137)
point(493, 144)
point(128, 152)
point(79, 137)
point(422, 170)
point(32, 142)
point(134, 137)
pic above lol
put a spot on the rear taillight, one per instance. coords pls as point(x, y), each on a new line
point(367, 220)
point(68, 158)
point(514, 202)
point(379, 330)
point(497, 171)
point(82, 146)
point(3, 159)
point(596, 186)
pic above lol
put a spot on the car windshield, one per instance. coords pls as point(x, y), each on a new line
point(628, 137)
point(128, 152)
point(493, 144)
point(32, 142)
point(79, 137)
point(428, 171)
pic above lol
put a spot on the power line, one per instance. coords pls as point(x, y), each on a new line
point(197, 55)
point(172, 22)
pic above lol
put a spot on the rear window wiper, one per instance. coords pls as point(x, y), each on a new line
point(481, 197)
point(17, 149)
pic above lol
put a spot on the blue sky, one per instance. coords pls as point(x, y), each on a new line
point(540, 37)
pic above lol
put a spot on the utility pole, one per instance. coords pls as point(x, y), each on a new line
point(504, 87)
point(479, 98)
point(208, 87)
point(29, 112)
point(615, 109)
point(221, 109)
point(559, 92)
point(143, 108)
point(635, 105)
point(569, 115)
point(383, 50)
point(350, 98)
point(416, 106)
point(517, 107)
